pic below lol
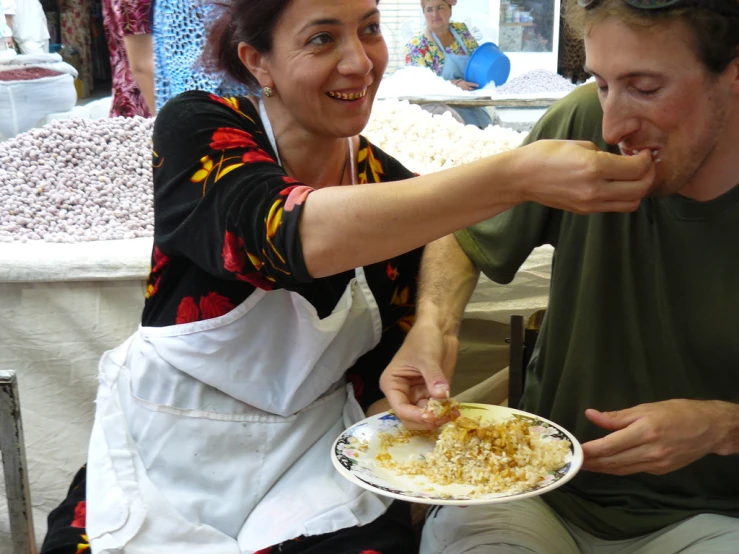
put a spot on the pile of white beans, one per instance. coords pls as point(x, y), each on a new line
point(80, 180)
point(536, 81)
point(77, 180)
point(426, 143)
point(417, 81)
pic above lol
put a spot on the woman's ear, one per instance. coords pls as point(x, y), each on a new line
point(256, 64)
point(731, 73)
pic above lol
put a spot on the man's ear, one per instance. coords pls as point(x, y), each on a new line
point(256, 64)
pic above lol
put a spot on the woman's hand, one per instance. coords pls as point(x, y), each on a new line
point(465, 85)
point(578, 177)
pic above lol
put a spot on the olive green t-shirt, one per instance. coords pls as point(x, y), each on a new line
point(643, 307)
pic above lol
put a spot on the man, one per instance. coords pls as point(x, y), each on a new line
point(28, 25)
point(638, 355)
point(7, 12)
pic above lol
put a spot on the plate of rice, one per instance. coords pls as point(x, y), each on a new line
point(486, 454)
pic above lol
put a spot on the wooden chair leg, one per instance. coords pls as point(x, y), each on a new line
point(12, 447)
point(516, 363)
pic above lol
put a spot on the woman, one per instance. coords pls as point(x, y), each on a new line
point(7, 13)
point(179, 39)
point(267, 296)
point(445, 48)
point(128, 31)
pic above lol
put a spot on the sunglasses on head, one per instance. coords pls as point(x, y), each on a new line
point(641, 4)
point(725, 6)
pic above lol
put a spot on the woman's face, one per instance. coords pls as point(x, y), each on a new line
point(437, 14)
point(326, 63)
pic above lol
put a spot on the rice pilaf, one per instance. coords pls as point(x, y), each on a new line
point(508, 456)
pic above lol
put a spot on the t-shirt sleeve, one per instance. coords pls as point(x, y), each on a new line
point(500, 245)
point(220, 198)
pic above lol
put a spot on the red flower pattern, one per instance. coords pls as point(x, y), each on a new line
point(214, 305)
point(187, 311)
point(234, 255)
point(224, 139)
point(289, 181)
point(160, 260)
point(357, 385)
point(258, 280)
point(80, 515)
point(256, 156)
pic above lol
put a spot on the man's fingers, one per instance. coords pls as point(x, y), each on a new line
point(627, 463)
point(613, 421)
point(436, 382)
point(614, 443)
point(644, 458)
point(403, 408)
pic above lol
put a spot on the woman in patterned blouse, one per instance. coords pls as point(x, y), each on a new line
point(445, 48)
point(286, 253)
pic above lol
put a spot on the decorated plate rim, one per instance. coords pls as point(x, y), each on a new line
point(570, 469)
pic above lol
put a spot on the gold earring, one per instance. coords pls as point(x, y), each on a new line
point(268, 92)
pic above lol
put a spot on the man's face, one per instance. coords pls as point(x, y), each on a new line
point(657, 95)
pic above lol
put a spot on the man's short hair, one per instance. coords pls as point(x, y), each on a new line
point(715, 33)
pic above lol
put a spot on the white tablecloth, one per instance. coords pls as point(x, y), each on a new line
point(63, 305)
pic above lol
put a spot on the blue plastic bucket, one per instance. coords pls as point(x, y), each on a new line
point(488, 64)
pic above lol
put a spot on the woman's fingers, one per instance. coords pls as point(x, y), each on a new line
point(576, 176)
point(624, 168)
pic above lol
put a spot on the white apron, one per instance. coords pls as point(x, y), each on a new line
point(215, 436)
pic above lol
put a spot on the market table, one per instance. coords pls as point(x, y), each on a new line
point(483, 101)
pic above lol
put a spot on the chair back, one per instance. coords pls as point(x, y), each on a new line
point(12, 447)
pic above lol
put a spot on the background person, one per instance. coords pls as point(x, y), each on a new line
point(445, 48)
point(129, 34)
point(179, 40)
point(635, 355)
point(286, 251)
point(7, 12)
point(30, 30)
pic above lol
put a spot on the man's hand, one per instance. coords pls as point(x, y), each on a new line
point(660, 437)
point(420, 370)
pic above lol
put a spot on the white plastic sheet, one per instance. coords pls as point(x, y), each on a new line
point(24, 103)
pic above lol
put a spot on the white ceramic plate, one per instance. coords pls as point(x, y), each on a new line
point(362, 469)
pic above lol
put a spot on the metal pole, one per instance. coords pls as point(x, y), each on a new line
point(13, 451)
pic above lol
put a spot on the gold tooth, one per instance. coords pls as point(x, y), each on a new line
point(347, 96)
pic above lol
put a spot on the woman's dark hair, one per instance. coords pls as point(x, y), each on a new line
point(249, 21)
